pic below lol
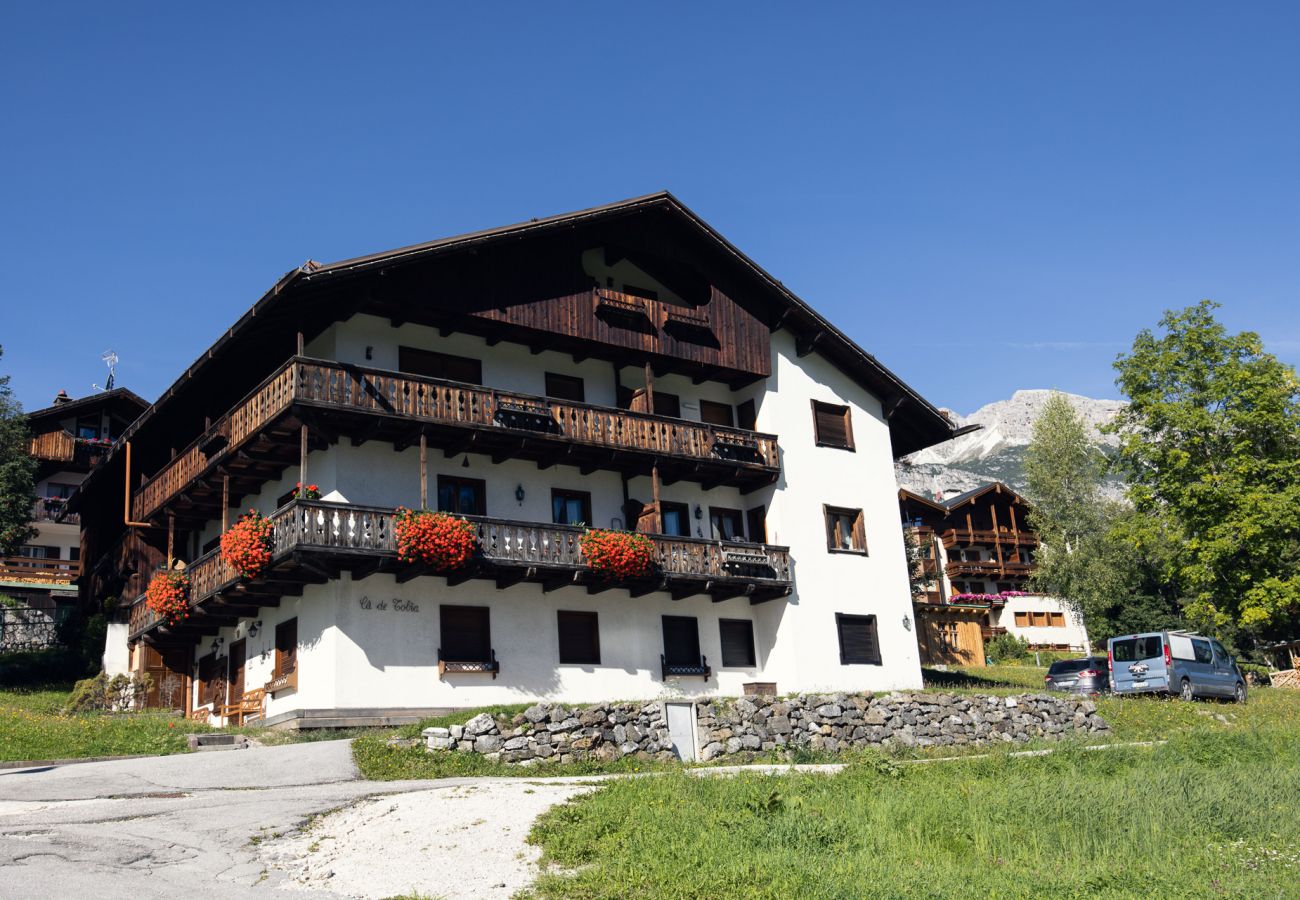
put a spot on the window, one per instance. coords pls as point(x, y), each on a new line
point(668, 405)
point(1022, 620)
point(832, 425)
point(286, 648)
point(565, 387)
point(844, 530)
point(465, 634)
point(756, 521)
point(717, 414)
point(1038, 619)
point(570, 507)
point(462, 496)
point(579, 638)
point(638, 291)
point(88, 429)
point(737, 642)
point(1201, 650)
point(858, 641)
point(676, 518)
point(747, 416)
point(681, 641)
point(38, 551)
point(59, 491)
point(948, 635)
point(1220, 654)
point(439, 365)
point(726, 524)
point(1056, 619)
point(207, 679)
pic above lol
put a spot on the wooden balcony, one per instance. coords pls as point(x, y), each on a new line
point(989, 567)
point(63, 447)
point(39, 571)
point(54, 509)
point(968, 537)
point(315, 541)
point(257, 439)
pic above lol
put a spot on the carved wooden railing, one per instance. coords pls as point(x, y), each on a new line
point(41, 571)
point(63, 446)
point(988, 567)
point(353, 388)
point(955, 536)
point(364, 530)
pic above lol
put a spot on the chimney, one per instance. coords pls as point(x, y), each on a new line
point(62, 398)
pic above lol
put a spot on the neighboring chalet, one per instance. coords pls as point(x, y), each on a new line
point(623, 367)
point(972, 555)
point(69, 438)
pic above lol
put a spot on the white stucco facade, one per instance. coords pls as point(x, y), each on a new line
point(1043, 622)
point(372, 644)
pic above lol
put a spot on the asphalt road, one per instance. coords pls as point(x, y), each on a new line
point(168, 826)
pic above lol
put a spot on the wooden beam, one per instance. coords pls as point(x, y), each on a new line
point(302, 454)
point(806, 345)
point(225, 502)
point(424, 471)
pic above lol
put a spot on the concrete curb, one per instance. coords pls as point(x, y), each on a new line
point(46, 763)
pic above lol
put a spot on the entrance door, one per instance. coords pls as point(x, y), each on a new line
point(236, 680)
point(169, 682)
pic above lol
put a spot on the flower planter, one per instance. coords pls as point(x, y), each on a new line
point(618, 555)
point(440, 541)
point(247, 545)
point(168, 596)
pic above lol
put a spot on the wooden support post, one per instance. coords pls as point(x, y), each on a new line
point(171, 538)
point(225, 503)
point(302, 458)
point(424, 471)
point(997, 538)
point(654, 493)
point(1015, 530)
point(301, 344)
point(649, 389)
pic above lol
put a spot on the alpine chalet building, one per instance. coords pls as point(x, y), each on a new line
point(620, 369)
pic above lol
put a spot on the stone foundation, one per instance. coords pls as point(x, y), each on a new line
point(826, 723)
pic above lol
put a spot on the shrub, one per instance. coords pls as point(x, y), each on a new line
point(1006, 647)
point(618, 555)
point(104, 694)
point(168, 596)
point(247, 544)
point(444, 543)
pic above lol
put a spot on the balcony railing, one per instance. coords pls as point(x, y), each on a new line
point(63, 446)
point(989, 567)
point(39, 571)
point(506, 424)
point(968, 537)
point(363, 538)
point(52, 509)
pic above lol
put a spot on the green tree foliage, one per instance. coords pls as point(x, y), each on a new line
point(17, 473)
point(1210, 449)
point(1088, 556)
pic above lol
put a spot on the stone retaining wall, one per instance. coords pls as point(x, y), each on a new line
point(827, 723)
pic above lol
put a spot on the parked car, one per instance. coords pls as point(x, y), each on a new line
point(1174, 662)
point(1089, 675)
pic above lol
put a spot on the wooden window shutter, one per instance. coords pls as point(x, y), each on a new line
point(286, 647)
point(747, 416)
point(717, 414)
point(579, 638)
point(439, 365)
point(858, 640)
point(681, 640)
point(737, 642)
point(832, 425)
point(464, 633)
point(1022, 620)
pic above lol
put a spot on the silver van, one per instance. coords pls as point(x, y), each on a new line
point(1173, 662)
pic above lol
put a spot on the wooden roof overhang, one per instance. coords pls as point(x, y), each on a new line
point(658, 227)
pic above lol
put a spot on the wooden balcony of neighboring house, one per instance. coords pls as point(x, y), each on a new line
point(39, 571)
point(64, 447)
point(991, 631)
point(929, 598)
point(315, 541)
point(973, 537)
point(990, 568)
point(259, 437)
point(54, 509)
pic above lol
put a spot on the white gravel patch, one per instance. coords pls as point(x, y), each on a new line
point(467, 841)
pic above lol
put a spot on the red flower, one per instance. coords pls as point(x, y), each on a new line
point(443, 542)
point(247, 545)
point(618, 555)
point(168, 596)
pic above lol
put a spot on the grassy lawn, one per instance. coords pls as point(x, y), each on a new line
point(1210, 813)
point(34, 727)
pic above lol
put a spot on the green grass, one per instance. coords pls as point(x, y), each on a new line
point(34, 727)
point(1210, 813)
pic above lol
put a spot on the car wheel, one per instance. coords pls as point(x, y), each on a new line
point(1239, 693)
point(1185, 693)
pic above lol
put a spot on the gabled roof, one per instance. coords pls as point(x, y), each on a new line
point(905, 494)
point(914, 422)
point(997, 486)
point(121, 399)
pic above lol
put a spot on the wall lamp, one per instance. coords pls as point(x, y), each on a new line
point(699, 513)
point(216, 643)
point(519, 494)
point(907, 623)
point(253, 626)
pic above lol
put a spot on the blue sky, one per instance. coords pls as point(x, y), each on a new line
point(986, 196)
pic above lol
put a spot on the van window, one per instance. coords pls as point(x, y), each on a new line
point(1202, 651)
point(1219, 651)
point(1134, 649)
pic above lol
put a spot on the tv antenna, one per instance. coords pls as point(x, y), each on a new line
point(110, 359)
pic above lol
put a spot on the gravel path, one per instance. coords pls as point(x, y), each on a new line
point(463, 841)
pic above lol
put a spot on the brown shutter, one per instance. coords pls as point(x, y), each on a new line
point(858, 641)
point(681, 641)
point(747, 416)
point(286, 647)
point(565, 387)
point(716, 413)
point(579, 638)
point(668, 405)
point(439, 365)
point(832, 425)
point(465, 634)
point(737, 642)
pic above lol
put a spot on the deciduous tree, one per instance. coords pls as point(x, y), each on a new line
point(17, 473)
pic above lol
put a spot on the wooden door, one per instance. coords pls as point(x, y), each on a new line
point(235, 683)
point(169, 682)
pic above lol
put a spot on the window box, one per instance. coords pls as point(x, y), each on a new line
point(286, 682)
point(469, 666)
point(685, 670)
